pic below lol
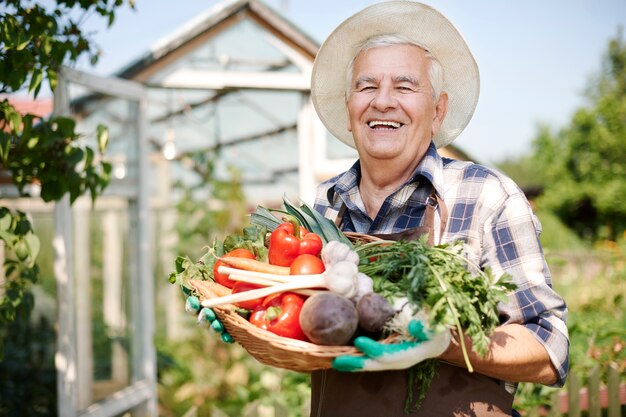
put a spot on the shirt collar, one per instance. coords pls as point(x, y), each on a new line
point(429, 168)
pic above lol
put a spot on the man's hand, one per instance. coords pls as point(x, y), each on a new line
point(207, 318)
point(403, 355)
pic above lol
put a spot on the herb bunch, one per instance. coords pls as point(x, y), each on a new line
point(439, 280)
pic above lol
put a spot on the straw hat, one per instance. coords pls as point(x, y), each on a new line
point(420, 23)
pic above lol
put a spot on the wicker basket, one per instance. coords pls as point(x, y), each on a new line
point(267, 347)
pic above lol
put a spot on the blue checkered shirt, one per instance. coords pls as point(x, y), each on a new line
point(490, 214)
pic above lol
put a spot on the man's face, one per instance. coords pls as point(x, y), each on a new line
point(391, 112)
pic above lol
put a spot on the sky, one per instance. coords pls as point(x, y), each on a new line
point(535, 56)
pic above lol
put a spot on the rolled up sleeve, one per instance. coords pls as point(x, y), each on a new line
point(513, 247)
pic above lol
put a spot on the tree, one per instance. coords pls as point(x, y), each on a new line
point(35, 42)
point(583, 169)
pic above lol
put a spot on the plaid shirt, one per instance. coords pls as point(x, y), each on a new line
point(490, 214)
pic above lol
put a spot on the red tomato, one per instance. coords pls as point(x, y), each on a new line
point(241, 286)
point(306, 264)
point(236, 253)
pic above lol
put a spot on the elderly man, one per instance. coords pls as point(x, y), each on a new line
point(397, 81)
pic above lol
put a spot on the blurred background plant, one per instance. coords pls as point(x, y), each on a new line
point(580, 199)
point(36, 41)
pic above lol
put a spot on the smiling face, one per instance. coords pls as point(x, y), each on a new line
point(391, 112)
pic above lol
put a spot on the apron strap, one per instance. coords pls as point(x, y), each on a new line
point(342, 211)
point(432, 202)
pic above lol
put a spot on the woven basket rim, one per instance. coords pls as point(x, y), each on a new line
point(265, 346)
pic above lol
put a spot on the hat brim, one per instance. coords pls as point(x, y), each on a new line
point(421, 24)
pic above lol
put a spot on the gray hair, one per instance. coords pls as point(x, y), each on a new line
point(435, 71)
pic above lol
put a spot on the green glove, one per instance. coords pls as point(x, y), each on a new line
point(207, 318)
point(388, 356)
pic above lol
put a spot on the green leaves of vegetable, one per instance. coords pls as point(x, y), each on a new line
point(251, 238)
point(306, 216)
point(438, 279)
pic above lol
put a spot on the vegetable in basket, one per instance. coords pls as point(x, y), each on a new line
point(289, 240)
point(341, 278)
point(437, 281)
point(240, 287)
point(306, 264)
point(235, 253)
point(329, 319)
point(280, 314)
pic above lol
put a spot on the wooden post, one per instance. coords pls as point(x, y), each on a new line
point(83, 318)
point(573, 397)
point(114, 310)
point(593, 393)
point(613, 388)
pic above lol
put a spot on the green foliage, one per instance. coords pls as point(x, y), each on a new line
point(47, 154)
point(27, 373)
point(213, 377)
point(523, 171)
point(35, 42)
point(20, 270)
point(440, 280)
point(203, 219)
point(582, 165)
point(597, 309)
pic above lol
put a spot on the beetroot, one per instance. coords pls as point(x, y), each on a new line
point(329, 319)
point(374, 311)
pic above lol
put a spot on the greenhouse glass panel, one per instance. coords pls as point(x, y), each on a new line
point(253, 132)
point(120, 118)
point(244, 46)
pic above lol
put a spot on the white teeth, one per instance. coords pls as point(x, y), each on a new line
point(375, 123)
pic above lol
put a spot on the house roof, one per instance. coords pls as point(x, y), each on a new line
point(41, 107)
point(213, 18)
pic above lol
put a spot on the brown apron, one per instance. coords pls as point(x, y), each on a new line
point(453, 392)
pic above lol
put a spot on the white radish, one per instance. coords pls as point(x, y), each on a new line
point(340, 278)
point(264, 282)
point(255, 277)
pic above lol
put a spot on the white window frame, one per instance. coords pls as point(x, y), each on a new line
point(140, 395)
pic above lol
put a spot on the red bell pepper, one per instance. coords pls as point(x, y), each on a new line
point(241, 286)
point(288, 241)
point(280, 314)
